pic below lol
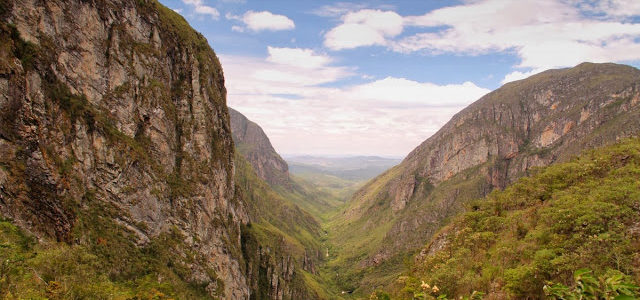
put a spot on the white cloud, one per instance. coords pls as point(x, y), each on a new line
point(230, 16)
point(349, 36)
point(284, 71)
point(543, 34)
point(401, 92)
point(301, 114)
point(337, 9)
point(263, 20)
point(517, 75)
point(305, 58)
point(366, 27)
point(200, 8)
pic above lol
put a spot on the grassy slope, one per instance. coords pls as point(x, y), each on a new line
point(278, 223)
point(583, 213)
point(108, 265)
point(351, 239)
point(323, 196)
point(311, 197)
point(368, 213)
point(269, 209)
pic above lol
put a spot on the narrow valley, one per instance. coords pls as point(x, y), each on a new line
point(138, 163)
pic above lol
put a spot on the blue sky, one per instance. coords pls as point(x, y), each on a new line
point(379, 77)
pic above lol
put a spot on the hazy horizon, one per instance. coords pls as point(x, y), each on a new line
point(289, 155)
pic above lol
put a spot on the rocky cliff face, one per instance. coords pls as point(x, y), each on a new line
point(118, 106)
point(546, 118)
point(532, 122)
point(254, 145)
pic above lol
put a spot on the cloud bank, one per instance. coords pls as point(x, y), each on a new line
point(543, 34)
point(286, 94)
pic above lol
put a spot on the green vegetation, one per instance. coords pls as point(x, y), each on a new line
point(281, 215)
point(340, 189)
point(356, 168)
point(279, 225)
point(589, 287)
point(418, 208)
point(579, 214)
point(105, 265)
point(337, 178)
point(311, 197)
point(363, 229)
point(352, 239)
point(23, 50)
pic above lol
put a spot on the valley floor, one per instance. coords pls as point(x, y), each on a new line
point(336, 274)
point(568, 221)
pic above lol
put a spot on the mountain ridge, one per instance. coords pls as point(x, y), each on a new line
point(546, 118)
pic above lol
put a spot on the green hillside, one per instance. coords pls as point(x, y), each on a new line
point(579, 214)
point(313, 197)
point(544, 119)
point(323, 184)
point(106, 263)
